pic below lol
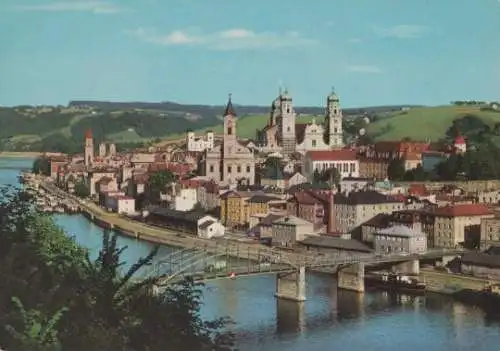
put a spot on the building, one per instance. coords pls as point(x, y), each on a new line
point(355, 208)
point(460, 144)
point(490, 232)
point(400, 239)
point(231, 162)
point(373, 168)
point(121, 204)
point(208, 195)
point(190, 222)
point(288, 230)
point(261, 226)
point(418, 220)
point(326, 245)
point(344, 161)
point(373, 225)
point(233, 208)
point(184, 199)
point(194, 144)
point(453, 222)
point(284, 135)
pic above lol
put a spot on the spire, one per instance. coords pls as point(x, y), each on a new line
point(229, 108)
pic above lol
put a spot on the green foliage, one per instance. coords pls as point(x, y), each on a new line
point(36, 332)
point(159, 180)
point(81, 189)
point(396, 169)
point(41, 166)
point(330, 176)
point(70, 302)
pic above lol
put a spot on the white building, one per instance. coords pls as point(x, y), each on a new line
point(199, 144)
point(121, 204)
point(343, 160)
point(185, 199)
point(400, 239)
point(209, 227)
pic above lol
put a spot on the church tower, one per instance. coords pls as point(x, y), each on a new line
point(89, 148)
point(229, 141)
point(287, 124)
point(333, 122)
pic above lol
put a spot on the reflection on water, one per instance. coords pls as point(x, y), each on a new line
point(330, 319)
point(290, 317)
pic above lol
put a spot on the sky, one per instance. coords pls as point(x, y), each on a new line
point(373, 52)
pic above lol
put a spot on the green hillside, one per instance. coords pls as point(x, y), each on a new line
point(425, 122)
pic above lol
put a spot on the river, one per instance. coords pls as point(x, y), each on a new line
point(328, 320)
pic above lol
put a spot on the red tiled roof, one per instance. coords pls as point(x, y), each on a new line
point(417, 189)
point(459, 140)
point(332, 155)
point(463, 210)
point(88, 134)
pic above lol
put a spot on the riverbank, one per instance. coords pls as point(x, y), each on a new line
point(437, 282)
point(23, 154)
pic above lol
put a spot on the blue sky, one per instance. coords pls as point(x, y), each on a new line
point(196, 51)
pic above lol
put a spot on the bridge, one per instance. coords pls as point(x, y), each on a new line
point(228, 259)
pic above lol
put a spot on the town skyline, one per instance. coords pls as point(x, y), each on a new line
point(190, 53)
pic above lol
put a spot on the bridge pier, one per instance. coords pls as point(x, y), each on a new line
point(409, 267)
point(443, 262)
point(291, 286)
point(352, 277)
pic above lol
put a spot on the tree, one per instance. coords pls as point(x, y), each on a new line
point(97, 306)
point(272, 162)
point(37, 333)
point(159, 180)
point(330, 176)
point(396, 169)
point(41, 165)
point(81, 189)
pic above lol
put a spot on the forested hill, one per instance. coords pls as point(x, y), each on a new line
point(210, 110)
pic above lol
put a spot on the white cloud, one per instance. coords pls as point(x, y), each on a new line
point(403, 31)
point(97, 7)
point(364, 69)
point(230, 39)
point(355, 40)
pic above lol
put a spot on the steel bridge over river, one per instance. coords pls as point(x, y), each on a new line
point(228, 259)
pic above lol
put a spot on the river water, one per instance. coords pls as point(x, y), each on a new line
point(328, 320)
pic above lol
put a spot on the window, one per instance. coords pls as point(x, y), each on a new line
point(238, 169)
point(229, 130)
point(229, 169)
point(335, 130)
point(211, 168)
point(287, 129)
point(313, 142)
point(351, 168)
point(248, 169)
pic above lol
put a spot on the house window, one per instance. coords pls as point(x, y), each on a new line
point(211, 168)
point(228, 169)
point(238, 169)
point(352, 168)
point(313, 142)
point(248, 169)
point(229, 130)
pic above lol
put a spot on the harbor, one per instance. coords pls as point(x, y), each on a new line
point(45, 201)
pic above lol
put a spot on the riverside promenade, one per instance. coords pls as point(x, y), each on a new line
point(143, 231)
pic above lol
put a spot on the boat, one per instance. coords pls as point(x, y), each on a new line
point(395, 282)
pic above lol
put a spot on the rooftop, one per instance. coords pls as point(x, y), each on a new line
point(400, 230)
point(332, 155)
point(336, 243)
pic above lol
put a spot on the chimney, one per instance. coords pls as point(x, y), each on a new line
point(331, 225)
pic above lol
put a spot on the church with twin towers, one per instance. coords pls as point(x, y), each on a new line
point(283, 134)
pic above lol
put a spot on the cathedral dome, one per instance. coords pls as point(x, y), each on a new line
point(333, 96)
